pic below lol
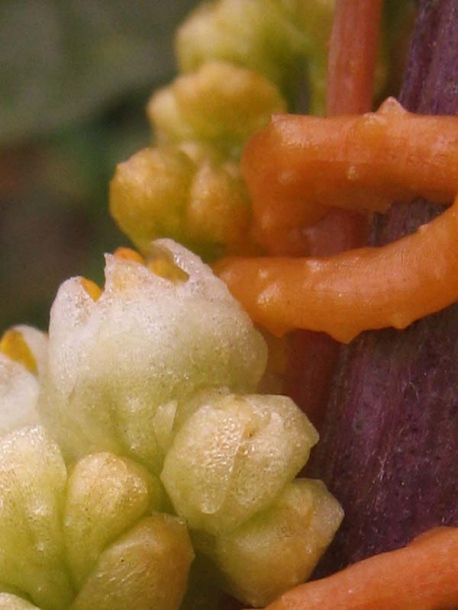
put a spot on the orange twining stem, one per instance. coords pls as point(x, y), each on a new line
point(352, 56)
point(420, 576)
point(360, 289)
point(299, 166)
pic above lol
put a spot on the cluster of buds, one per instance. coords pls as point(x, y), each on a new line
point(133, 441)
point(240, 62)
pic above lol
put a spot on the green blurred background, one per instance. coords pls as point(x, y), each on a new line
point(75, 76)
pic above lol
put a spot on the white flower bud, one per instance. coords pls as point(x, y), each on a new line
point(149, 338)
point(22, 358)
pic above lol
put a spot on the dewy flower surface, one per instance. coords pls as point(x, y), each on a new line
point(120, 367)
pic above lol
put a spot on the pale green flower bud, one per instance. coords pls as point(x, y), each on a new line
point(90, 540)
point(277, 548)
point(106, 495)
point(155, 336)
point(233, 456)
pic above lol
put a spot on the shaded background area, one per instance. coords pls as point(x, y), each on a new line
point(75, 76)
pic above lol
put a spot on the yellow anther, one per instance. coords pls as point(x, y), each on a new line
point(93, 290)
point(14, 346)
point(165, 267)
point(129, 255)
point(161, 264)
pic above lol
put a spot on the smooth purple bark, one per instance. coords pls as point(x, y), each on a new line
point(389, 448)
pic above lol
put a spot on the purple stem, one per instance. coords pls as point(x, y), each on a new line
point(389, 448)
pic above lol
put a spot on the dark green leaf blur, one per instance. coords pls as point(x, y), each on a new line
point(75, 76)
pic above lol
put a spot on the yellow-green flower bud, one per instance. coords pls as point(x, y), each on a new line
point(191, 194)
point(106, 495)
point(233, 456)
point(32, 490)
point(149, 193)
point(220, 103)
point(145, 568)
point(260, 35)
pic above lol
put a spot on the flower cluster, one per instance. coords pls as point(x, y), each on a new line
point(133, 440)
